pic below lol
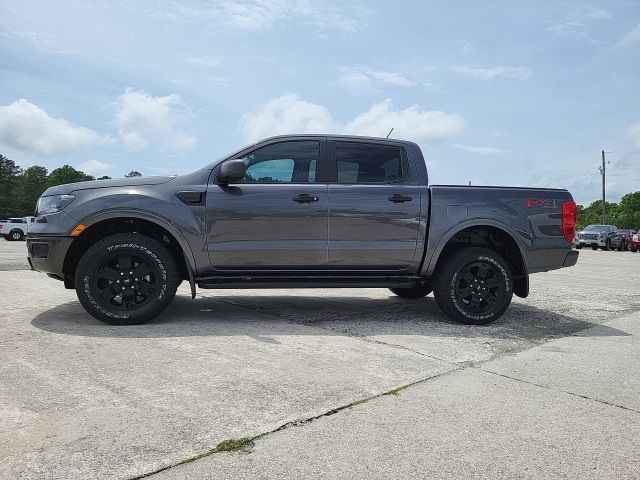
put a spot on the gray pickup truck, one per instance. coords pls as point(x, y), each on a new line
point(301, 211)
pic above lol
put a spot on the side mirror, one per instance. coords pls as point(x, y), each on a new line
point(231, 171)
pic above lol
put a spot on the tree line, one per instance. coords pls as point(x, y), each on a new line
point(21, 188)
point(625, 214)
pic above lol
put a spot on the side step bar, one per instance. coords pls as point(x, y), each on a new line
point(307, 282)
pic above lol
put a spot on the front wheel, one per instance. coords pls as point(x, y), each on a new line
point(418, 291)
point(578, 246)
point(126, 279)
point(474, 286)
point(594, 247)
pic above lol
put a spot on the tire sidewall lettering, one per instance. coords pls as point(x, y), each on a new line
point(87, 283)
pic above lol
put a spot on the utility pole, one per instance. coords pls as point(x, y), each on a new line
point(603, 172)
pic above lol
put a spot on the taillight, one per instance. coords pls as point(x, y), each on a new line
point(569, 213)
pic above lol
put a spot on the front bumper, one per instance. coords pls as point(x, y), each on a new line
point(47, 254)
point(588, 243)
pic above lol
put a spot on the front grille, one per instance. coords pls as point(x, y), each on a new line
point(589, 236)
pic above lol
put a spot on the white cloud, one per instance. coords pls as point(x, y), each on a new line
point(290, 114)
point(203, 60)
point(355, 81)
point(491, 73)
point(422, 126)
point(44, 41)
point(480, 150)
point(631, 38)
point(143, 120)
point(633, 133)
point(361, 78)
point(287, 114)
point(95, 167)
point(577, 22)
point(263, 15)
point(26, 127)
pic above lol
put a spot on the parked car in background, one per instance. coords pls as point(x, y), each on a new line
point(15, 228)
point(634, 242)
point(620, 239)
point(596, 236)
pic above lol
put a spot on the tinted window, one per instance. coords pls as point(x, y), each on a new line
point(286, 162)
point(369, 163)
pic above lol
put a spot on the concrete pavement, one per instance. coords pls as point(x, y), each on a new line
point(553, 381)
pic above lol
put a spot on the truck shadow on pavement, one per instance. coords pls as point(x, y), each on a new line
point(265, 317)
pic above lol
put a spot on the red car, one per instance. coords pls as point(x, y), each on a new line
point(633, 242)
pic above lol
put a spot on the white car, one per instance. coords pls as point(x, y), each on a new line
point(15, 228)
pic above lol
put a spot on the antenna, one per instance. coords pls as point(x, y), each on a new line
point(389, 133)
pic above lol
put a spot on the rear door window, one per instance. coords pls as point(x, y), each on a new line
point(359, 162)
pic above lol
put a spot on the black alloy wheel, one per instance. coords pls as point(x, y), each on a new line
point(474, 286)
point(126, 280)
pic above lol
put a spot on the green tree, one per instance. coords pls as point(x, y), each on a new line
point(105, 177)
point(9, 171)
point(67, 174)
point(31, 183)
point(132, 174)
point(628, 214)
point(593, 214)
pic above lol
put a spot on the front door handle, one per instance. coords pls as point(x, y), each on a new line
point(397, 198)
point(305, 198)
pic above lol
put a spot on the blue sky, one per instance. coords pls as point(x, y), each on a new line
point(500, 93)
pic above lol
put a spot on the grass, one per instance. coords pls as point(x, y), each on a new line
point(230, 445)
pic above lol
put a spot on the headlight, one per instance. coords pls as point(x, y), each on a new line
point(53, 203)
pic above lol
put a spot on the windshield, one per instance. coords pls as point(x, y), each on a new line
point(596, 228)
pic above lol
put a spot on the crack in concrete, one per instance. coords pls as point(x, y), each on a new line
point(250, 441)
point(346, 334)
point(557, 390)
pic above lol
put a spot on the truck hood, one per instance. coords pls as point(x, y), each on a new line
point(117, 182)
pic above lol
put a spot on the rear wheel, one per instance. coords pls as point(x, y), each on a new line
point(474, 286)
point(15, 235)
point(418, 291)
point(126, 279)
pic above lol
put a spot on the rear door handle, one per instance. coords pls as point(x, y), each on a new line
point(397, 198)
point(305, 198)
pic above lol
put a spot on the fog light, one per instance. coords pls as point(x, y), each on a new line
point(39, 250)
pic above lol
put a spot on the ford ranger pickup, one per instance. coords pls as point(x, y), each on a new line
point(301, 211)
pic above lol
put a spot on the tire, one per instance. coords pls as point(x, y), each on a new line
point(458, 275)
point(634, 250)
point(594, 247)
point(578, 246)
point(15, 235)
point(107, 270)
point(419, 291)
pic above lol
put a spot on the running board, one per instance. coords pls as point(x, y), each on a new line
point(307, 282)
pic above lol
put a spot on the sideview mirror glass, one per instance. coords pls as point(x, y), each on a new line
point(232, 171)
